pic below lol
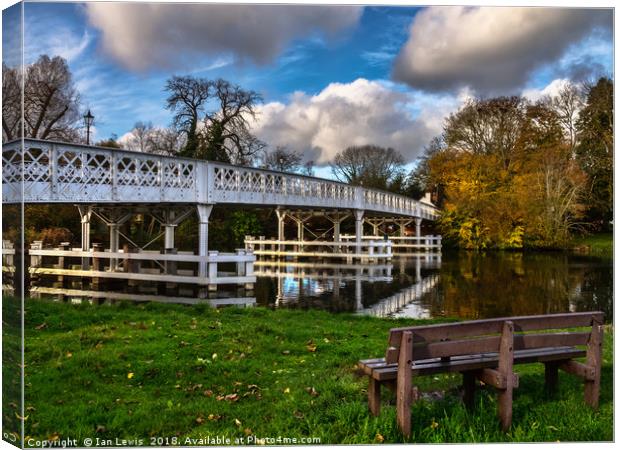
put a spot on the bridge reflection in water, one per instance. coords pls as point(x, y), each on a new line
point(378, 290)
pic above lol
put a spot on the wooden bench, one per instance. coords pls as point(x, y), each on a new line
point(486, 350)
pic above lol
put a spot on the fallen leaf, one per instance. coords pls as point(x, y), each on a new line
point(247, 431)
point(42, 326)
point(69, 354)
point(237, 422)
point(311, 347)
point(232, 397)
point(130, 375)
point(379, 438)
point(286, 352)
point(208, 393)
point(53, 437)
point(214, 417)
point(100, 429)
point(199, 420)
point(312, 391)
point(214, 356)
point(287, 391)
point(298, 414)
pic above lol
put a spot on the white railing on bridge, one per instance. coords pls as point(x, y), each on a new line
point(367, 250)
point(404, 243)
point(70, 173)
point(122, 265)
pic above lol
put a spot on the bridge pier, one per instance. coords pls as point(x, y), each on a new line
point(204, 211)
point(359, 228)
point(85, 215)
point(418, 224)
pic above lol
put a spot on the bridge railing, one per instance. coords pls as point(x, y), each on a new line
point(367, 250)
point(427, 242)
point(47, 171)
point(99, 264)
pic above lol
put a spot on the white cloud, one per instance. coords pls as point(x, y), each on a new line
point(357, 113)
point(147, 35)
point(551, 90)
point(490, 48)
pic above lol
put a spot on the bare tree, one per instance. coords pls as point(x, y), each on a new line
point(187, 99)
point(141, 137)
point(50, 103)
point(567, 105)
point(11, 103)
point(226, 133)
point(166, 141)
point(368, 165)
point(487, 127)
point(282, 159)
point(308, 168)
point(228, 127)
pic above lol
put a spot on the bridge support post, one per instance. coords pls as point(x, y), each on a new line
point(204, 211)
point(281, 214)
point(418, 224)
point(169, 227)
point(359, 229)
point(85, 214)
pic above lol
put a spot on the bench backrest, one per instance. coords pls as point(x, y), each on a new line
point(483, 336)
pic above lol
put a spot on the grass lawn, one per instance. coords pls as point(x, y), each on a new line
point(170, 371)
point(600, 244)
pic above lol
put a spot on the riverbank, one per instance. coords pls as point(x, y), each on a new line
point(601, 244)
point(170, 371)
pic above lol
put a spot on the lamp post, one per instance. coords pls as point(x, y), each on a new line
point(88, 121)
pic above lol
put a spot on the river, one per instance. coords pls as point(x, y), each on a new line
point(461, 285)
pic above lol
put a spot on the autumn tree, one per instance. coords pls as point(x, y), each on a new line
point(368, 165)
point(50, 102)
point(507, 176)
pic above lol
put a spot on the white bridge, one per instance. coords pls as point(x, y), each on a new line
point(54, 172)
point(113, 185)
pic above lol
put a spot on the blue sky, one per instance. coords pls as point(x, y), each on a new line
point(389, 73)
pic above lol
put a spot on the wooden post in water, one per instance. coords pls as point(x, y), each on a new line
point(96, 282)
point(171, 269)
point(212, 288)
point(62, 264)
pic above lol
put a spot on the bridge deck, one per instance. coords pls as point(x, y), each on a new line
point(36, 171)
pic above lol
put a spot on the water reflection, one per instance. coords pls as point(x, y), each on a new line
point(463, 285)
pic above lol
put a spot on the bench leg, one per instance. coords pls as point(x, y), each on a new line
point(594, 354)
point(469, 389)
point(374, 396)
point(551, 377)
point(403, 384)
point(506, 360)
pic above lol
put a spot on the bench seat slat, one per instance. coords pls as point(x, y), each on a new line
point(490, 326)
point(491, 343)
point(383, 372)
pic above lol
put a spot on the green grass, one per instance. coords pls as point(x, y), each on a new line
point(600, 244)
point(169, 371)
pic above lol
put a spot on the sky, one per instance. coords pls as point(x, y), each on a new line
point(330, 76)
